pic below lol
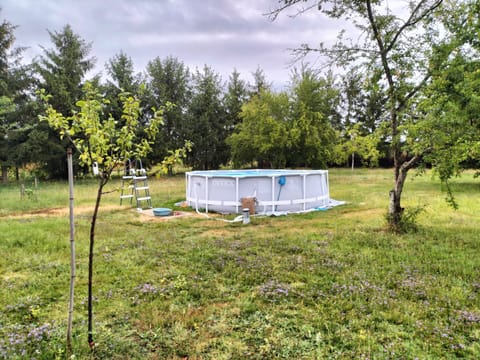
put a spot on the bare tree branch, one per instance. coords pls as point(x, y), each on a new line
point(412, 20)
point(381, 46)
point(407, 165)
point(273, 14)
point(413, 92)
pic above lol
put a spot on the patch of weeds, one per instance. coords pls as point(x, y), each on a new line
point(136, 223)
point(408, 222)
point(173, 340)
point(413, 285)
point(147, 292)
point(332, 264)
point(248, 307)
point(363, 288)
point(114, 343)
point(147, 340)
point(274, 291)
point(26, 310)
point(28, 193)
point(32, 341)
point(467, 317)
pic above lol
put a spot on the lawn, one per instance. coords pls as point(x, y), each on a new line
point(328, 284)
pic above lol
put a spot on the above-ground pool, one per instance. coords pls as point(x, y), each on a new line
point(273, 190)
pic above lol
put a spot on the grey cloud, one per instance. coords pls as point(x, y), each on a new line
point(224, 34)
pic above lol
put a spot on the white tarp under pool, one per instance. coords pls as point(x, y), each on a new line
point(273, 190)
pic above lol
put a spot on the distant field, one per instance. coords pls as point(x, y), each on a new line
point(328, 284)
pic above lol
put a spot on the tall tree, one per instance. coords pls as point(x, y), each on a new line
point(16, 120)
point(22, 122)
point(234, 98)
point(6, 97)
point(168, 80)
point(62, 71)
point(121, 71)
point(263, 134)
point(6, 108)
point(311, 133)
point(7, 40)
point(363, 100)
point(122, 78)
point(63, 68)
point(260, 82)
point(362, 104)
point(400, 47)
point(207, 121)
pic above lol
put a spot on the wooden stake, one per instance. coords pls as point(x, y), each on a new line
point(72, 253)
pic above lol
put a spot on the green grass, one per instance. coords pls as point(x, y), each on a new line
point(321, 285)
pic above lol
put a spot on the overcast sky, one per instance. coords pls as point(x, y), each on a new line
point(224, 34)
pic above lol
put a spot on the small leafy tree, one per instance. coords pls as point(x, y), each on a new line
point(263, 134)
point(358, 144)
point(175, 157)
point(99, 140)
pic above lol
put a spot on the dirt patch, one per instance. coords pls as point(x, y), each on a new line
point(62, 211)
point(145, 215)
point(14, 276)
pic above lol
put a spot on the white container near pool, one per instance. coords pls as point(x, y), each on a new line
point(274, 190)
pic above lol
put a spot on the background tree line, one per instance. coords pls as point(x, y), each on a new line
point(319, 119)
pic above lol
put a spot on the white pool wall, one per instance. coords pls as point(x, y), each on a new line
point(222, 190)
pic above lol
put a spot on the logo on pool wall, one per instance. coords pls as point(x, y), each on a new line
point(223, 183)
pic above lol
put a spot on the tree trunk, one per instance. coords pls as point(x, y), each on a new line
point(395, 210)
point(4, 174)
point(103, 181)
